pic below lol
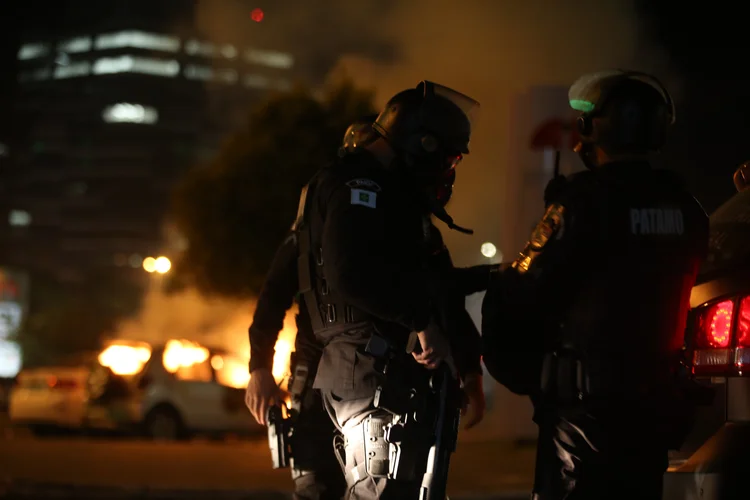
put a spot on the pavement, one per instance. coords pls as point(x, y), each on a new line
point(78, 467)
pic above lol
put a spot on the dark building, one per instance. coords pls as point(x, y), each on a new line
point(114, 100)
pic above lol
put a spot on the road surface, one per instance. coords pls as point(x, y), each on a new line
point(477, 469)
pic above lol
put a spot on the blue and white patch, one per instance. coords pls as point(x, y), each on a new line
point(364, 198)
point(368, 184)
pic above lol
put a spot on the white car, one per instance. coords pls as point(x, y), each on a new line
point(50, 398)
point(166, 391)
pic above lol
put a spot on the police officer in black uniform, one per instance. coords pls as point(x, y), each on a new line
point(366, 282)
point(601, 293)
point(316, 470)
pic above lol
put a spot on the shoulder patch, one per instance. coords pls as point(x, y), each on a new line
point(364, 197)
point(368, 184)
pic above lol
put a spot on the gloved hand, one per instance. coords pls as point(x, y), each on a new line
point(475, 402)
point(436, 348)
point(261, 393)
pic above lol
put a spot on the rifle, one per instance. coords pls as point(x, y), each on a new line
point(448, 415)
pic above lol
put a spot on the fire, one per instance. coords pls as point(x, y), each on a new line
point(125, 358)
point(182, 354)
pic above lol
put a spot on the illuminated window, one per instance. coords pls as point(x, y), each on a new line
point(229, 51)
point(130, 113)
point(269, 58)
point(196, 48)
point(34, 76)
point(80, 68)
point(32, 51)
point(257, 81)
point(130, 64)
point(138, 40)
point(74, 45)
point(198, 72)
point(19, 218)
point(226, 75)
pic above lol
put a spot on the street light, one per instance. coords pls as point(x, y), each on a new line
point(162, 265)
point(488, 250)
point(149, 264)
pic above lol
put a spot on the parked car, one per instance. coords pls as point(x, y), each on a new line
point(165, 391)
point(714, 460)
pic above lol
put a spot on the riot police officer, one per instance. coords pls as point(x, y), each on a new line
point(365, 281)
point(316, 469)
point(601, 291)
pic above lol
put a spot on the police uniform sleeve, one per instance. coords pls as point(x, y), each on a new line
point(276, 297)
point(364, 257)
point(522, 297)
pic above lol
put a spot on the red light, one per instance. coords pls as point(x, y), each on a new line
point(743, 323)
point(718, 325)
point(257, 15)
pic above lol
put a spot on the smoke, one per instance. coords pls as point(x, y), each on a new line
point(489, 50)
point(492, 51)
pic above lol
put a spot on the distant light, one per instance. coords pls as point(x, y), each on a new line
point(131, 64)
point(138, 40)
point(257, 81)
point(270, 58)
point(162, 265)
point(149, 264)
point(488, 250)
point(10, 359)
point(229, 51)
point(130, 113)
point(32, 51)
point(135, 261)
point(70, 70)
point(257, 15)
point(197, 48)
point(73, 45)
point(19, 218)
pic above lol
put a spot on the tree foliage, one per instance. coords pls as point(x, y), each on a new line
point(66, 319)
point(235, 211)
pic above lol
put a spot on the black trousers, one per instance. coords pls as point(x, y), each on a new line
point(350, 413)
point(593, 457)
point(316, 471)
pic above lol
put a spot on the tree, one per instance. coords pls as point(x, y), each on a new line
point(235, 211)
point(67, 319)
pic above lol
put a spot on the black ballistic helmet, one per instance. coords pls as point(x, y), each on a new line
point(429, 128)
point(430, 125)
point(359, 133)
point(633, 110)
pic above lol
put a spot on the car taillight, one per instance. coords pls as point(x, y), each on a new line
point(721, 341)
point(61, 383)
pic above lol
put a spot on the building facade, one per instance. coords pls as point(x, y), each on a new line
point(113, 104)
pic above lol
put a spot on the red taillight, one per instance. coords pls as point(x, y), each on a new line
point(721, 342)
point(61, 383)
point(715, 326)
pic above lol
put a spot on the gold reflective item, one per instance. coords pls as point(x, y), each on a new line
point(550, 226)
